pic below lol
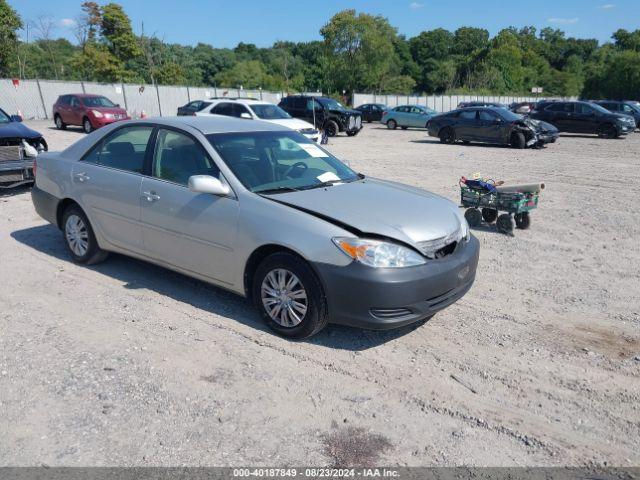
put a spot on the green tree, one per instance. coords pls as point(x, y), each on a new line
point(358, 51)
point(117, 32)
point(10, 23)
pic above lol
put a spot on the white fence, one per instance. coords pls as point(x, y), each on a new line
point(440, 103)
point(34, 99)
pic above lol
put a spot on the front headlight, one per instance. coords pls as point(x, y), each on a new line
point(376, 253)
point(464, 229)
point(96, 113)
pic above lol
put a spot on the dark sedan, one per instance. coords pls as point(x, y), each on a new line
point(192, 107)
point(372, 112)
point(19, 146)
point(491, 125)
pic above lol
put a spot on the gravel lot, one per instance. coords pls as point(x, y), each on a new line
point(125, 363)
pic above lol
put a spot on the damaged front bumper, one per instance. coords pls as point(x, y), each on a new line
point(17, 162)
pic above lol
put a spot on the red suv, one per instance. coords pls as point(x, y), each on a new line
point(89, 111)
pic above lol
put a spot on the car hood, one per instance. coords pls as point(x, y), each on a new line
point(539, 126)
point(621, 116)
point(119, 110)
point(345, 112)
point(17, 129)
point(293, 123)
point(380, 208)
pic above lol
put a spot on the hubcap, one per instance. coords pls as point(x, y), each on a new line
point(284, 297)
point(58, 122)
point(77, 235)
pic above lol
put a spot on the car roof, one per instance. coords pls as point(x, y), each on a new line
point(243, 101)
point(214, 124)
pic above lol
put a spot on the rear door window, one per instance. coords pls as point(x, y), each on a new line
point(487, 116)
point(224, 108)
point(584, 109)
point(467, 114)
point(124, 149)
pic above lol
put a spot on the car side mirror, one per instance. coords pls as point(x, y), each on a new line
point(16, 118)
point(208, 184)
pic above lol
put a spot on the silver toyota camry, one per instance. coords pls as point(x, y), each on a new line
point(262, 211)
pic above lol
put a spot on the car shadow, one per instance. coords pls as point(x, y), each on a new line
point(594, 136)
point(70, 128)
point(137, 274)
point(20, 189)
point(460, 144)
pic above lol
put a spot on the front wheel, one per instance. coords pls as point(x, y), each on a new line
point(504, 224)
point(392, 125)
point(331, 128)
point(518, 140)
point(86, 125)
point(523, 220)
point(79, 237)
point(289, 296)
point(608, 131)
point(473, 217)
point(447, 135)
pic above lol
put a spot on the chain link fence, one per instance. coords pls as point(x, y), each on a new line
point(34, 99)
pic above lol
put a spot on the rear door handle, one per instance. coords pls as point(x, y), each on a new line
point(81, 177)
point(151, 196)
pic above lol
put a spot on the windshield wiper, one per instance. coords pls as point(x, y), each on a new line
point(276, 190)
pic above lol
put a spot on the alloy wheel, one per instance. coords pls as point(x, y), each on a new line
point(77, 235)
point(284, 297)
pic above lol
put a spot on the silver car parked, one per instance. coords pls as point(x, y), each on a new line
point(260, 210)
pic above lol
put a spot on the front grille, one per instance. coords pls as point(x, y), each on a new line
point(9, 153)
point(441, 247)
point(387, 313)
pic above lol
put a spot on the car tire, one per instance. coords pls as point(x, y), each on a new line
point(331, 128)
point(447, 135)
point(504, 223)
point(79, 237)
point(608, 131)
point(523, 220)
point(518, 141)
point(307, 321)
point(353, 133)
point(473, 217)
point(86, 125)
point(489, 215)
point(60, 125)
point(392, 125)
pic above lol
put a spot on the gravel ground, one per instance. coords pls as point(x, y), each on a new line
point(125, 363)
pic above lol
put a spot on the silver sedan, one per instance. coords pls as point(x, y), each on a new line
point(260, 210)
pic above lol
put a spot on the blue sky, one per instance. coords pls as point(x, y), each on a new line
point(225, 23)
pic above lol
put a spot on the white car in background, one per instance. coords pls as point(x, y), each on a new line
point(259, 110)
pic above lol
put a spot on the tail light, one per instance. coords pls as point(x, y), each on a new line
point(384, 113)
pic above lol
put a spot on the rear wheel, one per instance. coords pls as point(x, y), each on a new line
point(518, 140)
point(392, 125)
point(489, 215)
point(60, 125)
point(86, 125)
point(447, 135)
point(79, 237)
point(523, 220)
point(473, 217)
point(289, 296)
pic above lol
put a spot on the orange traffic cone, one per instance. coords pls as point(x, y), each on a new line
point(143, 114)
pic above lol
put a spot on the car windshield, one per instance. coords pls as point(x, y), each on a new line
point(599, 108)
point(331, 104)
point(97, 102)
point(508, 115)
point(268, 111)
point(4, 118)
point(275, 162)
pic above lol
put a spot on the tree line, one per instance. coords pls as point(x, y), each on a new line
point(358, 52)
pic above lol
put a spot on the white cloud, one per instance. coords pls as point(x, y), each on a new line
point(67, 22)
point(415, 5)
point(563, 21)
point(607, 6)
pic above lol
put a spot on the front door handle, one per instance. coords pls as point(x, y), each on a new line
point(81, 177)
point(150, 196)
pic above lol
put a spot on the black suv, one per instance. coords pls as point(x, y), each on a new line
point(584, 117)
point(323, 112)
point(625, 107)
